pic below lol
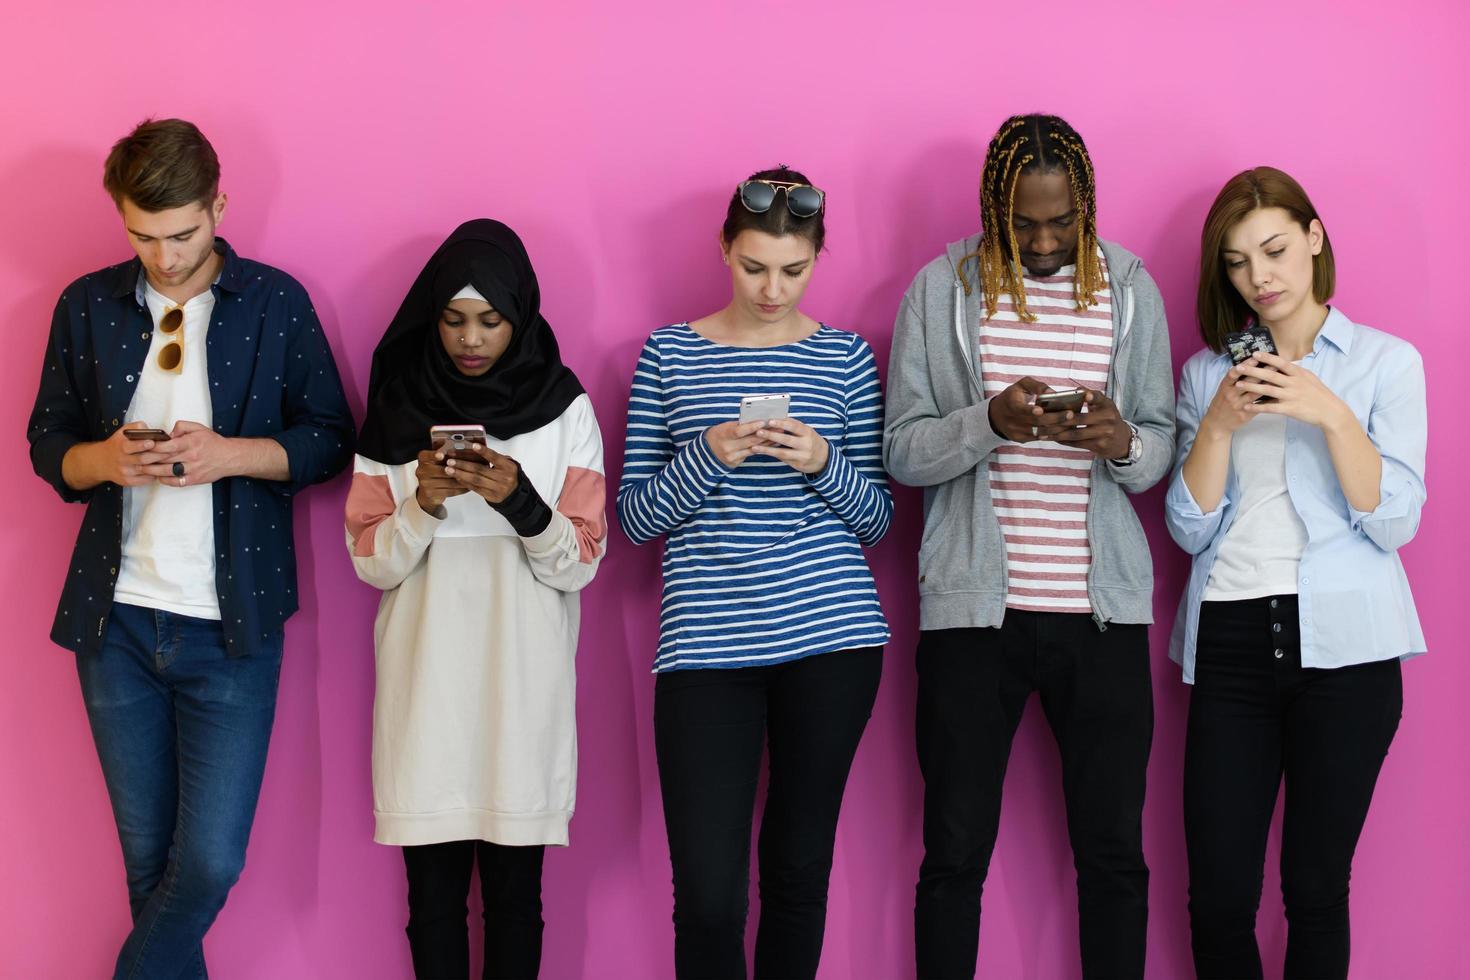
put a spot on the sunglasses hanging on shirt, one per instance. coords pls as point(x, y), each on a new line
point(802, 200)
point(171, 354)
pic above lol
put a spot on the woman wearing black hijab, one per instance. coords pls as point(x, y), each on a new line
point(480, 562)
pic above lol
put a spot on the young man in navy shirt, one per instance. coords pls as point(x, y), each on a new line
point(183, 572)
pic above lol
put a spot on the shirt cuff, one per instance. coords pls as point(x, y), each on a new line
point(420, 523)
point(1182, 502)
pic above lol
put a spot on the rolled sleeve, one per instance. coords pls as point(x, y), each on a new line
point(58, 418)
point(319, 436)
point(1191, 528)
point(1398, 428)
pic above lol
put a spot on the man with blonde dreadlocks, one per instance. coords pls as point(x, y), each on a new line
point(1034, 574)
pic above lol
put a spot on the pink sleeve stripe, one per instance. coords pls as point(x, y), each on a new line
point(369, 503)
point(583, 500)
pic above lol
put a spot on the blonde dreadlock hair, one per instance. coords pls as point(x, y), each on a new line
point(1029, 144)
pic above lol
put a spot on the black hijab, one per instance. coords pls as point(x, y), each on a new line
point(414, 383)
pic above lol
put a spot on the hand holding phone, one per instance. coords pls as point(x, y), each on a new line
point(1243, 345)
point(122, 458)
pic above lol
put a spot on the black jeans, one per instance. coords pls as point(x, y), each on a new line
point(709, 726)
point(1256, 714)
point(1098, 698)
point(510, 890)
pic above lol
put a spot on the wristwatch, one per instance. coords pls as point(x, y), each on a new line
point(1135, 447)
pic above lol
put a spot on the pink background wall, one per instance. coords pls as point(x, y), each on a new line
point(354, 136)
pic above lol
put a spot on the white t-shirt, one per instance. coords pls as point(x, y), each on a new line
point(168, 531)
point(1261, 551)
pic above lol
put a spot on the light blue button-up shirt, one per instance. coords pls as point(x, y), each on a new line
point(1354, 599)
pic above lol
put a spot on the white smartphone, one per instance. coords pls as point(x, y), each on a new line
point(456, 441)
point(754, 408)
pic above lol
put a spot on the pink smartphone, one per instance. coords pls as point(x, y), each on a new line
point(457, 441)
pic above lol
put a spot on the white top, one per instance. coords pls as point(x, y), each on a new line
point(1260, 553)
point(168, 531)
point(474, 716)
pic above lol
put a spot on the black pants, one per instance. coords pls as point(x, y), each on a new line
point(1256, 714)
point(709, 727)
point(510, 889)
point(1098, 698)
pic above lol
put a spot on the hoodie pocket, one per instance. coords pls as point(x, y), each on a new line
point(949, 553)
point(1121, 557)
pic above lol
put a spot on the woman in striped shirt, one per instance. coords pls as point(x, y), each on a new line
point(770, 624)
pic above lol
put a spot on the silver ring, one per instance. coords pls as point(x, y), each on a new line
point(1034, 432)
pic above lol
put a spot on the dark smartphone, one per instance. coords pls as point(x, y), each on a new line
point(143, 435)
point(1065, 400)
point(1242, 345)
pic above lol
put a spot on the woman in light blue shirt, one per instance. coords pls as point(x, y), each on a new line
point(1298, 477)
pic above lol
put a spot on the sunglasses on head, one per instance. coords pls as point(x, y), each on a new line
point(171, 354)
point(802, 200)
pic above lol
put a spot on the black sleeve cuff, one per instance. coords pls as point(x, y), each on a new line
point(524, 508)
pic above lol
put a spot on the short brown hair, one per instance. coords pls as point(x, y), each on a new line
point(1219, 306)
point(162, 164)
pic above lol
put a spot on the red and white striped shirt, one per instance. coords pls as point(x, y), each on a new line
point(1040, 489)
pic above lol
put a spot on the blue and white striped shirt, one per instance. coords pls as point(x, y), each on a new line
point(762, 564)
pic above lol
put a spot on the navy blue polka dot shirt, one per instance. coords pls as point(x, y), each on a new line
point(271, 375)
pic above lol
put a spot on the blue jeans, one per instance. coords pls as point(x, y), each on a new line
point(182, 731)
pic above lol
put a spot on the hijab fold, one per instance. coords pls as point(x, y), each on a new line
point(414, 383)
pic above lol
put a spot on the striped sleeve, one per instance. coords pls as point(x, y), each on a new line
point(662, 485)
point(853, 482)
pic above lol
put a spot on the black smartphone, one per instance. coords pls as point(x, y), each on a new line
point(143, 435)
point(1242, 345)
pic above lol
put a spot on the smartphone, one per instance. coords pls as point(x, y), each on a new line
point(1245, 344)
point(758, 407)
point(1242, 345)
point(457, 441)
point(1067, 399)
point(143, 435)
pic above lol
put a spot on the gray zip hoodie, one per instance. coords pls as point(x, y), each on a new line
point(937, 435)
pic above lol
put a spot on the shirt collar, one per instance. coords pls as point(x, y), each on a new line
point(1337, 330)
point(130, 277)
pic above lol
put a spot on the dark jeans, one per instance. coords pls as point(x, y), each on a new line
point(709, 726)
point(510, 890)
point(1256, 714)
point(182, 732)
point(1097, 695)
